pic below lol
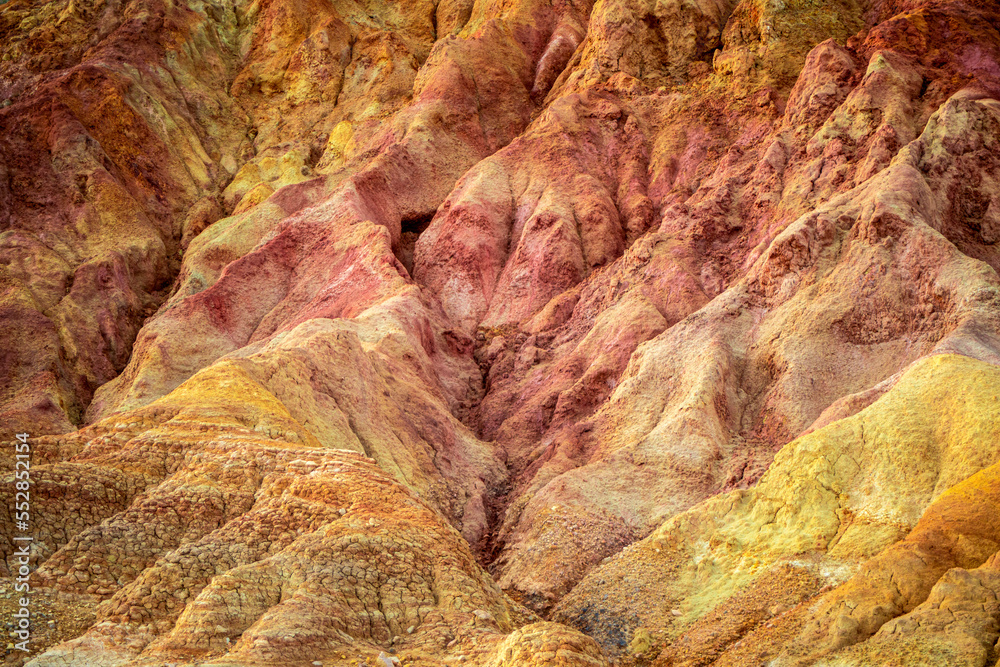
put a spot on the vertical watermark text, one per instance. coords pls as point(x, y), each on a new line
point(22, 542)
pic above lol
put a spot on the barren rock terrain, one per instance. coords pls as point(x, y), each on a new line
point(502, 332)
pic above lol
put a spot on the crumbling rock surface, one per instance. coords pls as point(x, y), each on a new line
point(503, 333)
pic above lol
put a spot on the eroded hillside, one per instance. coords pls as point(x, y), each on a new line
point(521, 332)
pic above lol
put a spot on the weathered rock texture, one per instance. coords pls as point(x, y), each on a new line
point(504, 333)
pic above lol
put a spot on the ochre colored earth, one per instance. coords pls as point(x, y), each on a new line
point(502, 332)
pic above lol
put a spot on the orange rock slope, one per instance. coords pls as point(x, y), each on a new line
point(507, 333)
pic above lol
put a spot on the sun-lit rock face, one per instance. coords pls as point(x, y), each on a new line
point(503, 333)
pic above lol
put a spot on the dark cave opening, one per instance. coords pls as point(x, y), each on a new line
point(412, 228)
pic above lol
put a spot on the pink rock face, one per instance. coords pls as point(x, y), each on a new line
point(504, 333)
